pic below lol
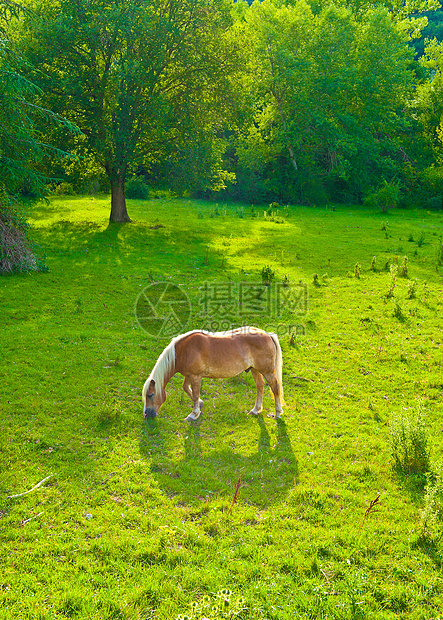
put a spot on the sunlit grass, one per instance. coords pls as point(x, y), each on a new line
point(135, 520)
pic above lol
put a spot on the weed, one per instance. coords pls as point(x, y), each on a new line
point(410, 443)
point(373, 507)
point(224, 604)
point(267, 275)
point(412, 289)
point(403, 271)
point(285, 281)
point(357, 270)
point(373, 264)
point(433, 501)
point(411, 238)
point(421, 239)
point(398, 312)
point(394, 270)
point(78, 305)
point(315, 279)
point(236, 494)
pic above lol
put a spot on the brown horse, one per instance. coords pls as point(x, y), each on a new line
point(199, 354)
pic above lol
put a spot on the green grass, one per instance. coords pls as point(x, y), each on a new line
point(136, 520)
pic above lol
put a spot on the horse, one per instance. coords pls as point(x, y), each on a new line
point(198, 353)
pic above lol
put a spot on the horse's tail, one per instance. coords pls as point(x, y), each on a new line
point(278, 365)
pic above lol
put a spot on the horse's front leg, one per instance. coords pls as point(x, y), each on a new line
point(193, 385)
point(187, 388)
point(259, 382)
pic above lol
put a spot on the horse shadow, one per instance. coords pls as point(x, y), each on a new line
point(266, 475)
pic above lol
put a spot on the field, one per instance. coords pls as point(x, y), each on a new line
point(140, 520)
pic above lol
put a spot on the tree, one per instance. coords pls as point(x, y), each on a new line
point(324, 122)
point(139, 77)
point(22, 123)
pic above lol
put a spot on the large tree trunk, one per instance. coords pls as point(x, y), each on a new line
point(119, 213)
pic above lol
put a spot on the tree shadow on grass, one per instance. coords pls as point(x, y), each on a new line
point(266, 475)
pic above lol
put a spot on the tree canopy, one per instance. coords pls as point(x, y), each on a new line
point(298, 101)
point(144, 81)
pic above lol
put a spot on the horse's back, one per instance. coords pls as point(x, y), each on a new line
point(224, 354)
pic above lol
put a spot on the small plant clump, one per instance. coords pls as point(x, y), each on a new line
point(410, 444)
point(224, 605)
point(398, 312)
point(432, 511)
point(267, 274)
point(373, 264)
point(403, 271)
point(394, 270)
point(412, 289)
point(357, 270)
point(17, 254)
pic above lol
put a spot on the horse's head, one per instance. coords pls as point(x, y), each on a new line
point(153, 398)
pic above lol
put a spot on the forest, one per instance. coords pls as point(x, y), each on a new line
point(296, 102)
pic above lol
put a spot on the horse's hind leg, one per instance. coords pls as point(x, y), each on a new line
point(276, 390)
point(191, 386)
point(259, 382)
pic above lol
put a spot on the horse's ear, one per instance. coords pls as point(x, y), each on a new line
point(151, 386)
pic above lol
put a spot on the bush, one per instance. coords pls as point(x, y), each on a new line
point(387, 197)
point(410, 443)
point(136, 188)
point(17, 253)
point(64, 189)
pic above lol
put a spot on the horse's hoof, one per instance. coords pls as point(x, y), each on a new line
point(254, 413)
point(191, 418)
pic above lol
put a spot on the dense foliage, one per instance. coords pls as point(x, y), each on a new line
point(266, 101)
point(23, 150)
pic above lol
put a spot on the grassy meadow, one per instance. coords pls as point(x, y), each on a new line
point(137, 520)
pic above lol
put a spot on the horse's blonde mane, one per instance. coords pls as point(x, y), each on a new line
point(163, 366)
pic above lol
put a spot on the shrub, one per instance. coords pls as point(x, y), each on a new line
point(64, 189)
point(136, 188)
point(387, 197)
point(410, 443)
point(17, 253)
